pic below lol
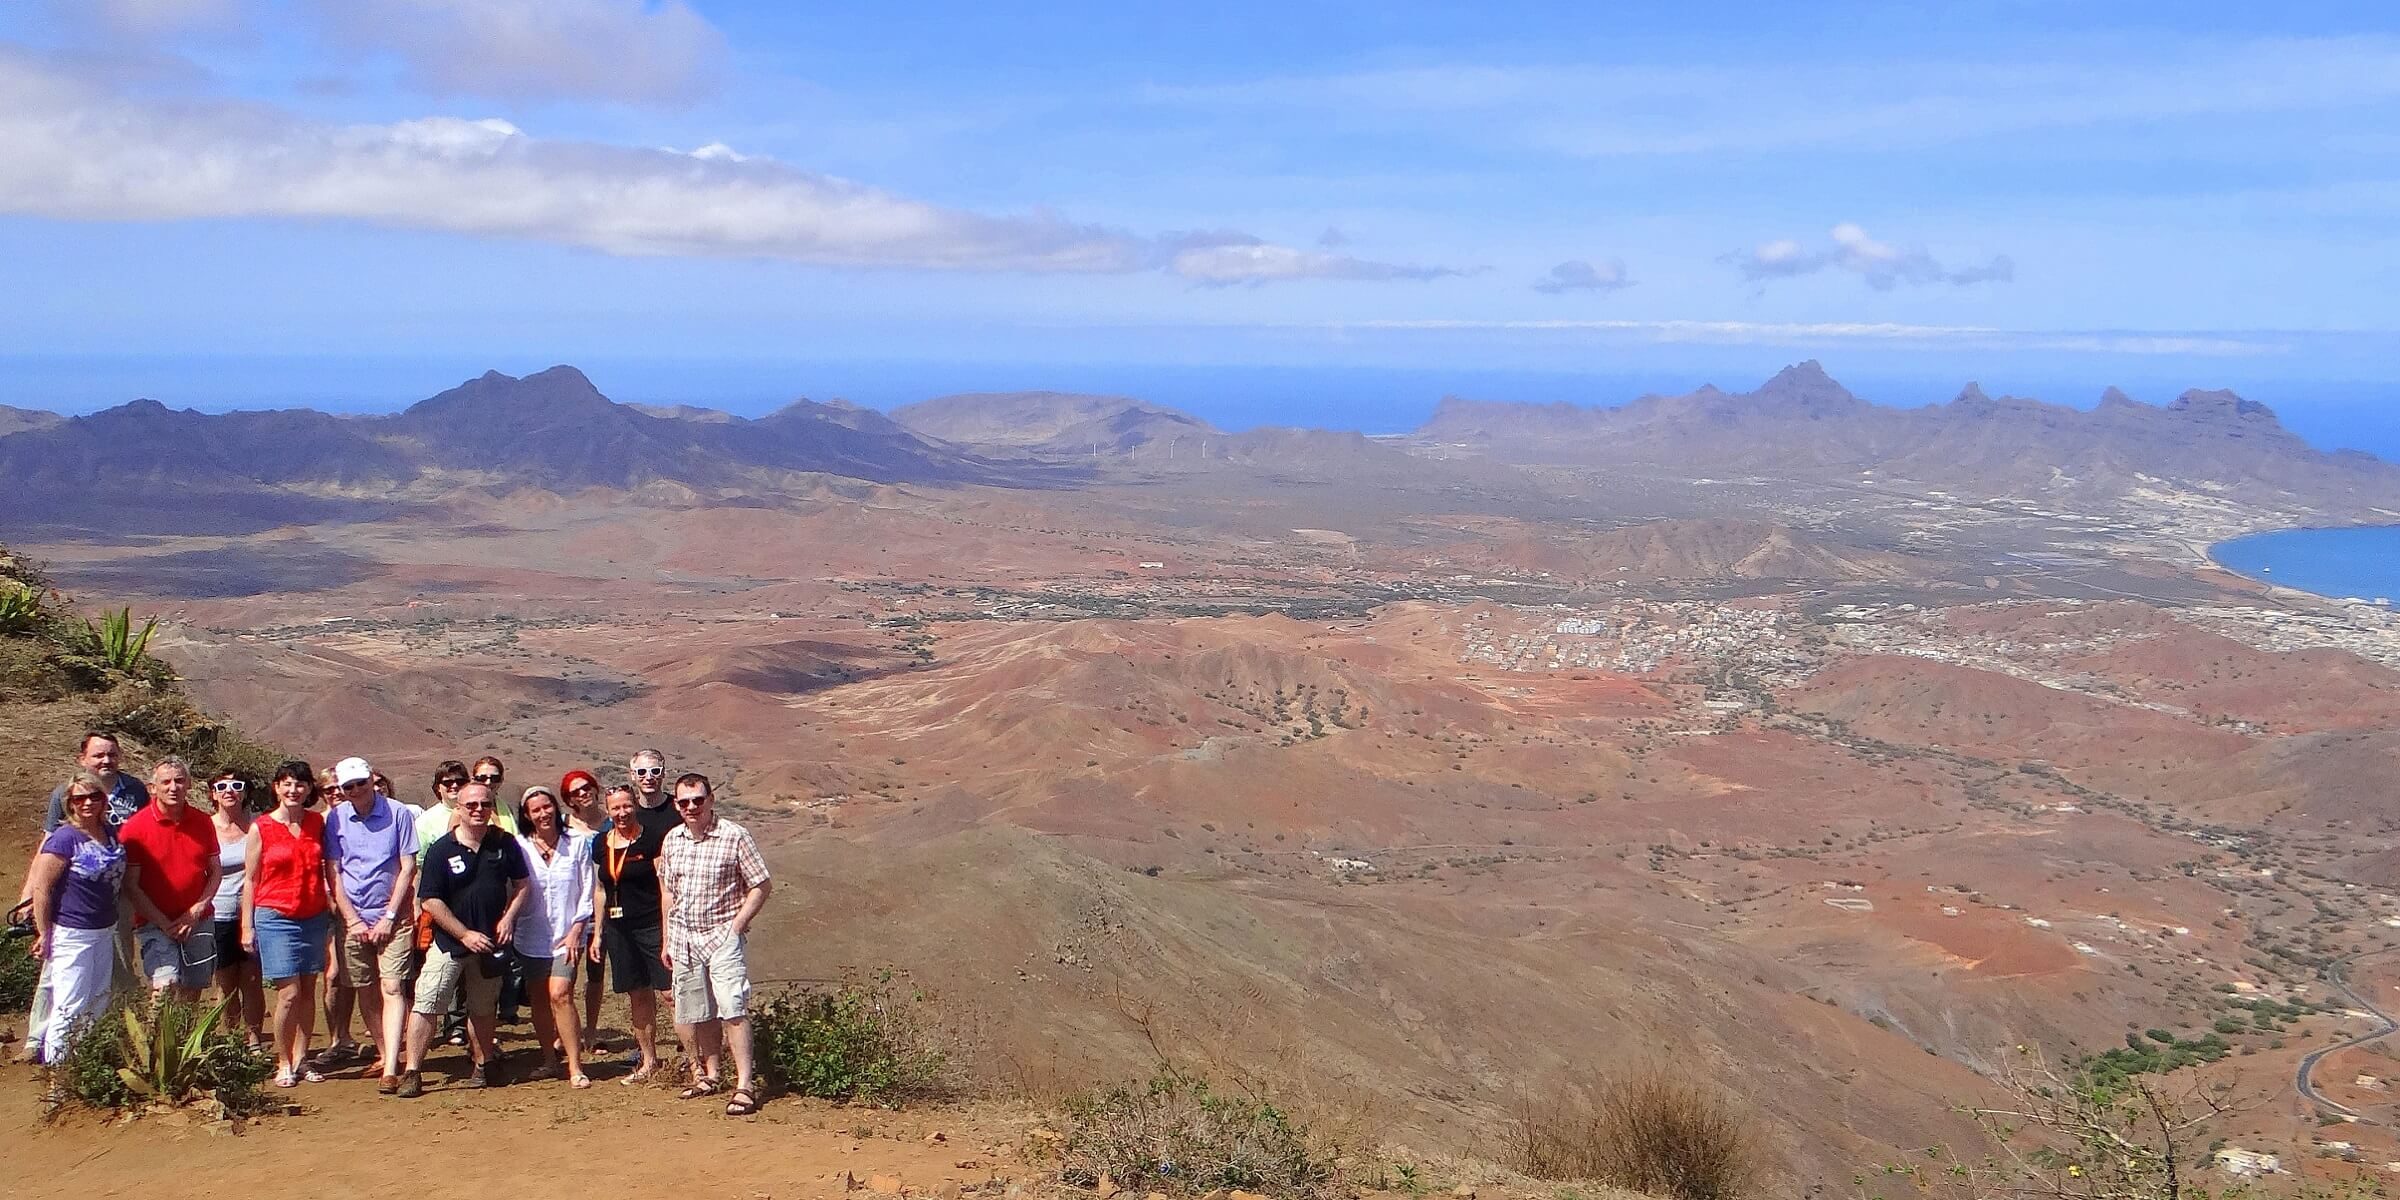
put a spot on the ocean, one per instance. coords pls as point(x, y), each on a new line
point(2360, 562)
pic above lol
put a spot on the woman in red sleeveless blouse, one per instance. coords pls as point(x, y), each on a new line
point(285, 914)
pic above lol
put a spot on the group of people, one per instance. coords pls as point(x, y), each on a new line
point(408, 914)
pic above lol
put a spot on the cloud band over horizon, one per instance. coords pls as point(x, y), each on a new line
point(77, 151)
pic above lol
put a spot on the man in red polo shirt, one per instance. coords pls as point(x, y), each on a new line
point(172, 847)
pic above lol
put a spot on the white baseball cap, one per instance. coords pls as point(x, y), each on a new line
point(351, 770)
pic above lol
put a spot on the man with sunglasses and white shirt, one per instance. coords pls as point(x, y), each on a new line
point(653, 803)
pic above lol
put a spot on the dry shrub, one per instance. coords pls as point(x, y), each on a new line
point(1177, 1135)
point(1648, 1132)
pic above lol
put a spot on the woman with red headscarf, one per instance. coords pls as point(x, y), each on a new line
point(585, 817)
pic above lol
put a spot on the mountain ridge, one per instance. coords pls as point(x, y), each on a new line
point(555, 429)
point(1801, 422)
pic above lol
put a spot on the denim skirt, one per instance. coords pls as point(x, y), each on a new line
point(286, 947)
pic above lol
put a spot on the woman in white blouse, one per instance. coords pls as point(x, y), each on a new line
point(551, 927)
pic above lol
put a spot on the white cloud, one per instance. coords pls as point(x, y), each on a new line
point(1583, 275)
point(1222, 259)
point(640, 51)
point(1881, 265)
point(76, 151)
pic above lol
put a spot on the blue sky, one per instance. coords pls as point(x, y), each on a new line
point(2013, 189)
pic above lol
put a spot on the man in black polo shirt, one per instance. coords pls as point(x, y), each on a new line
point(470, 886)
point(653, 800)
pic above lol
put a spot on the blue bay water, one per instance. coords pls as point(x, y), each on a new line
point(2362, 561)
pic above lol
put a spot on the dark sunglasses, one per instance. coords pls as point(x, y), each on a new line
point(446, 784)
point(355, 784)
point(487, 780)
point(472, 805)
point(73, 797)
point(584, 789)
point(229, 785)
point(690, 801)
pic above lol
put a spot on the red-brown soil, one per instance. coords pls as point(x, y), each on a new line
point(1058, 786)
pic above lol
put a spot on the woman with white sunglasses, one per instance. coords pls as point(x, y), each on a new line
point(237, 969)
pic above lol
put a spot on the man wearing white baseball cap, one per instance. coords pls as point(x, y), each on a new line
point(371, 850)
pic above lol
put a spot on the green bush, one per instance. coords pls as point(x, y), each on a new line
point(1177, 1135)
point(858, 1041)
point(19, 971)
point(20, 607)
point(118, 643)
point(139, 1052)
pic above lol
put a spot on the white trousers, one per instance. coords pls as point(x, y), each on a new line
point(83, 966)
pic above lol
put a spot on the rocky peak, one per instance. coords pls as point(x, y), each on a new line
point(2115, 399)
point(1807, 387)
point(497, 404)
point(1972, 396)
point(2224, 408)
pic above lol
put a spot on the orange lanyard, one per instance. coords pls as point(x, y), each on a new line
point(616, 860)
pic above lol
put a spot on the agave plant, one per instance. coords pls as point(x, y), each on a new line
point(20, 607)
point(120, 646)
point(164, 1060)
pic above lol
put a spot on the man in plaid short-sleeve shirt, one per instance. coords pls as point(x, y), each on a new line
point(712, 881)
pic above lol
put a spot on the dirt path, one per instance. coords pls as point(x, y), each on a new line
point(529, 1141)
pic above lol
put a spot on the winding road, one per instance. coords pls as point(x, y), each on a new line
point(2339, 976)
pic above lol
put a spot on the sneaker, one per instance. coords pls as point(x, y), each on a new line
point(480, 1077)
point(412, 1085)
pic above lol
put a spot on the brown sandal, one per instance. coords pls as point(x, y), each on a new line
point(742, 1104)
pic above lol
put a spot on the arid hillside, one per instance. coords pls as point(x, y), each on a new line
point(1399, 777)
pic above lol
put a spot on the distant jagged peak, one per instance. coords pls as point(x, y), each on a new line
point(1972, 396)
point(560, 388)
point(833, 412)
point(1806, 385)
point(2223, 405)
point(1041, 418)
point(2115, 400)
point(685, 412)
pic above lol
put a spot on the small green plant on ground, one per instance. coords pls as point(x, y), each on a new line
point(140, 1052)
point(1178, 1135)
point(858, 1041)
point(1649, 1132)
point(118, 643)
point(20, 607)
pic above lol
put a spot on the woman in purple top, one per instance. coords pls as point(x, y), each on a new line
point(78, 880)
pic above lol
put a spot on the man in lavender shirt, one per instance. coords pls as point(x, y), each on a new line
point(371, 854)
